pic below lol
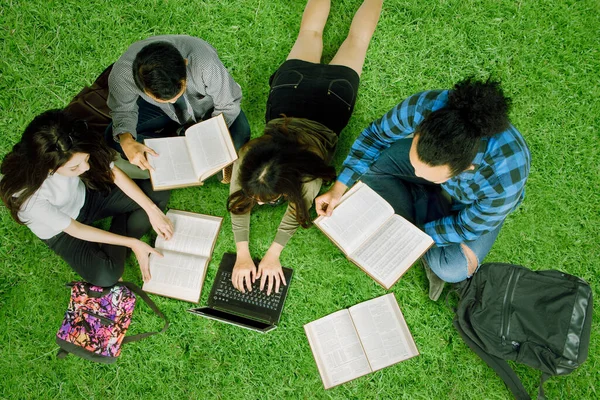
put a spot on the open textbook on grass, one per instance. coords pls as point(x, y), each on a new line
point(180, 272)
point(361, 339)
point(189, 160)
point(365, 228)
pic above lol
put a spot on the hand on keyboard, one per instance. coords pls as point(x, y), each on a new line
point(244, 271)
point(227, 293)
point(270, 269)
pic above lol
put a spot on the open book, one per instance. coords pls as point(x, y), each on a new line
point(180, 272)
point(364, 338)
point(188, 160)
point(365, 228)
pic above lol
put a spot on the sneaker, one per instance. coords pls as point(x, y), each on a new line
point(436, 285)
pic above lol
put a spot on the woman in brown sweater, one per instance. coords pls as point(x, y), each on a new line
point(308, 106)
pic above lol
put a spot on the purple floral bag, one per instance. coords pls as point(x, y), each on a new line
point(97, 319)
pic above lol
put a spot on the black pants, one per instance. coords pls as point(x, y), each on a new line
point(103, 264)
point(324, 93)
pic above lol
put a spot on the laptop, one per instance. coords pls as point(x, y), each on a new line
point(251, 310)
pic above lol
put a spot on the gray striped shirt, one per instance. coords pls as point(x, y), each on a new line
point(208, 85)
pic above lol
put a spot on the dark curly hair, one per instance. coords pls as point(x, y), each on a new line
point(451, 135)
point(49, 141)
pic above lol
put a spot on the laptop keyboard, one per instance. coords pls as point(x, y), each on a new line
point(226, 292)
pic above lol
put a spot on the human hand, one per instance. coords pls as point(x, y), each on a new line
point(161, 223)
point(142, 252)
point(325, 203)
point(136, 152)
point(270, 269)
point(244, 270)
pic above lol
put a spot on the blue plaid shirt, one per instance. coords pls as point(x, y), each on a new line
point(482, 197)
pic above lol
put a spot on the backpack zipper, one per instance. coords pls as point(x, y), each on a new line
point(103, 320)
point(510, 292)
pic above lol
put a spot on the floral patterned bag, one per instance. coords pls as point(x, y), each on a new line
point(97, 319)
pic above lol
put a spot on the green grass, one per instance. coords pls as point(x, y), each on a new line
point(545, 52)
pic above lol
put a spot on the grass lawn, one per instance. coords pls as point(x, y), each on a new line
point(546, 53)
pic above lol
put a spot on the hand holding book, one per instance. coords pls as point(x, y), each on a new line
point(364, 226)
point(188, 160)
point(136, 152)
point(142, 252)
point(161, 224)
point(325, 204)
point(180, 270)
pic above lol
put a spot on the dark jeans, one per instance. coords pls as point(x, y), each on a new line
point(154, 123)
point(103, 264)
point(420, 201)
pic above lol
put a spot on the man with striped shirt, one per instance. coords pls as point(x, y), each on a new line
point(164, 82)
point(450, 162)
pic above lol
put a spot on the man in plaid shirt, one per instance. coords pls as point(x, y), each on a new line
point(448, 161)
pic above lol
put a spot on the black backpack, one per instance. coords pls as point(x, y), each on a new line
point(542, 319)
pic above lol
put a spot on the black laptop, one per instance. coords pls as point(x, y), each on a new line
point(251, 310)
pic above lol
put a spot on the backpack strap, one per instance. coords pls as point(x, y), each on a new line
point(61, 353)
point(543, 378)
point(137, 290)
point(500, 366)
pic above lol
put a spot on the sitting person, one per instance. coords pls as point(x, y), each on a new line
point(164, 82)
point(308, 106)
point(449, 161)
point(59, 178)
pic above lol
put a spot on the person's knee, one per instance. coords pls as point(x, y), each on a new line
point(310, 34)
point(448, 263)
point(369, 178)
point(373, 180)
point(158, 197)
point(359, 40)
point(240, 130)
point(161, 198)
point(106, 275)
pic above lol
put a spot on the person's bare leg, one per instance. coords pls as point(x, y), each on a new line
point(354, 49)
point(309, 44)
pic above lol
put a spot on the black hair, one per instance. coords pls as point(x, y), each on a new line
point(275, 165)
point(451, 135)
point(159, 68)
point(49, 141)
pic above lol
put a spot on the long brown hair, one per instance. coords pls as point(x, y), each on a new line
point(274, 165)
point(49, 141)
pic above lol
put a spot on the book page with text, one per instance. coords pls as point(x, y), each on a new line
point(210, 146)
point(337, 349)
point(358, 215)
point(176, 275)
point(193, 234)
point(392, 250)
point(383, 331)
point(173, 166)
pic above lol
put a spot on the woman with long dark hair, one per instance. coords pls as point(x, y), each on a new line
point(59, 178)
point(308, 106)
